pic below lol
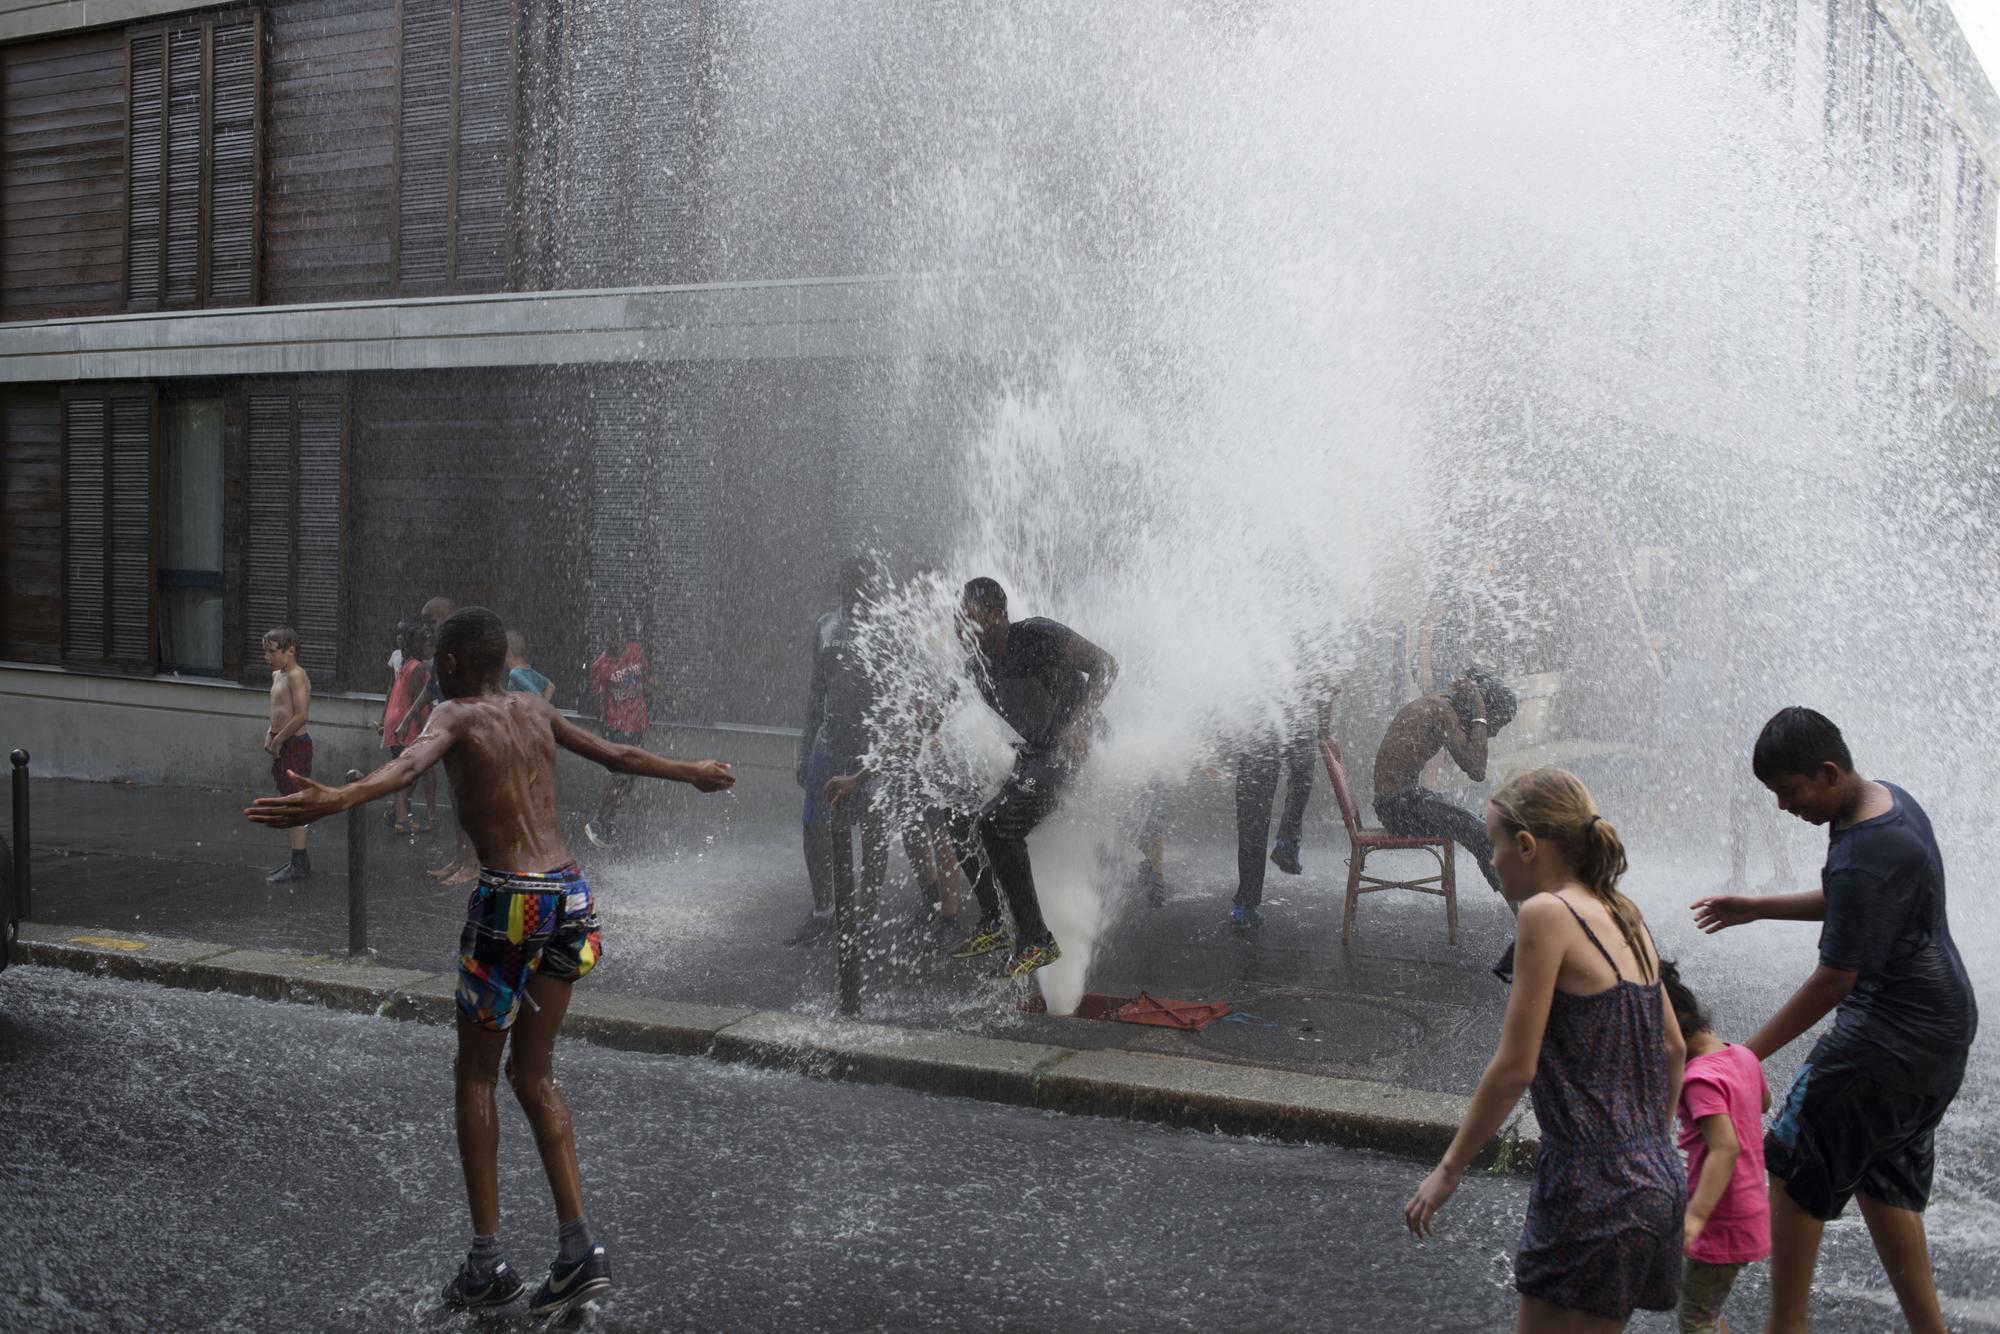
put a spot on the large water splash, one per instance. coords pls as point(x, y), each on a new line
point(1298, 312)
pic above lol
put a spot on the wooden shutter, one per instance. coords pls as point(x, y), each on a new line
point(235, 136)
point(142, 255)
point(31, 515)
point(485, 143)
point(424, 156)
point(85, 526)
point(267, 566)
point(456, 145)
point(195, 162)
point(109, 533)
point(181, 213)
point(297, 488)
point(316, 580)
point(62, 176)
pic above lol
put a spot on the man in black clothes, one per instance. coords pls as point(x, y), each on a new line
point(1047, 682)
point(1861, 1118)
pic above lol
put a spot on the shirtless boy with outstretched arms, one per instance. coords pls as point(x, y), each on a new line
point(531, 930)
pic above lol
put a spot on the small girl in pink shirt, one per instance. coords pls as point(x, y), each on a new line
point(1723, 1101)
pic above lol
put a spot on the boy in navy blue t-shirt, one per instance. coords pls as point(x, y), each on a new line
point(1862, 1115)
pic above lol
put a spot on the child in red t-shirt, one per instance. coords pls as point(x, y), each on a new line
point(620, 678)
point(1723, 1101)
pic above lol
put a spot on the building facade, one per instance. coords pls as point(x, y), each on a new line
point(316, 309)
point(311, 310)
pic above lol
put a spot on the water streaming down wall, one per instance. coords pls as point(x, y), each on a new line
point(1297, 314)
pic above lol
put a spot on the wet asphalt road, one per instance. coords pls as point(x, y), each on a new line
point(182, 1161)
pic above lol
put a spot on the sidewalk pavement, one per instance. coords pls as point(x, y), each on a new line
point(706, 921)
point(1178, 1091)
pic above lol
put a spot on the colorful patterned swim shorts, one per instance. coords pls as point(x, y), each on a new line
point(518, 926)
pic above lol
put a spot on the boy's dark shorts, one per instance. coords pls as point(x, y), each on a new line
point(618, 738)
point(520, 926)
point(294, 757)
point(1844, 1129)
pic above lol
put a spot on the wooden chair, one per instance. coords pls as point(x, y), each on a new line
point(1363, 842)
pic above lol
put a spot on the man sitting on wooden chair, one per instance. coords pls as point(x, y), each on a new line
point(1478, 706)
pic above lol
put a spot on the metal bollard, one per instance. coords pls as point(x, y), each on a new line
point(847, 938)
point(357, 874)
point(21, 859)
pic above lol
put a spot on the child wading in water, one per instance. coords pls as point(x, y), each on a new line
point(1861, 1118)
point(1590, 1033)
point(530, 931)
point(1723, 1101)
point(407, 709)
point(520, 676)
point(286, 740)
point(622, 680)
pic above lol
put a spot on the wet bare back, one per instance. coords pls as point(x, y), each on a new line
point(1420, 730)
point(502, 765)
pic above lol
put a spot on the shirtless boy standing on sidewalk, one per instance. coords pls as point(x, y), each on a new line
point(286, 740)
point(531, 930)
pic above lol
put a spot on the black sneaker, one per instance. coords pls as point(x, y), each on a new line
point(472, 1290)
point(289, 872)
point(1285, 856)
point(569, 1286)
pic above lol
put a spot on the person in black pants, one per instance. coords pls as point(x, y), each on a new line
point(1047, 682)
point(1478, 706)
point(1257, 771)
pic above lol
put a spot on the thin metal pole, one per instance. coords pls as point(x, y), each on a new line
point(22, 890)
point(846, 930)
point(357, 875)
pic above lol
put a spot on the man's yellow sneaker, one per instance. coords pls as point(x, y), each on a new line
point(983, 940)
point(1027, 959)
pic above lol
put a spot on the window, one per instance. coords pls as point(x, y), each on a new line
point(195, 154)
point(190, 572)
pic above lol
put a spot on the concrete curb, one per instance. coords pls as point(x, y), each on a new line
point(1171, 1090)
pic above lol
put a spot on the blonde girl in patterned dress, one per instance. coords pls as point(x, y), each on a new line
point(1591, 1036)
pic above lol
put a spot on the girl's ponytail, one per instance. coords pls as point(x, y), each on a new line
point(1553, 804)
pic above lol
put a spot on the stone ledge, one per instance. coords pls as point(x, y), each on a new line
point(640, 1023)
point(1248, 1100)
point(130, 955)
point(341, 984)
point(957, 1064)
point(1179, 1091)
